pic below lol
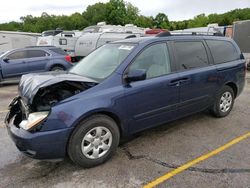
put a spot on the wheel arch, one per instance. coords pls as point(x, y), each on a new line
point(56, 65)
point(108, 113)
point(234, 87)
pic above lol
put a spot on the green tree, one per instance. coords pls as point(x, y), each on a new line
point(116, 12)
point(119, 12)
point(161, 21)
point(132, 13)
point(143, 21)
point(199, 21)
point(95, 13)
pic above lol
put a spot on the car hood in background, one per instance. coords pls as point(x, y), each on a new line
point(31, 83)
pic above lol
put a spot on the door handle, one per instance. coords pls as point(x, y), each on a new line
point(174, 83)
point(178, 81)
point(186, 79)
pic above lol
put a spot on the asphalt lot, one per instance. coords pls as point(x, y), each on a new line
point(145, 157)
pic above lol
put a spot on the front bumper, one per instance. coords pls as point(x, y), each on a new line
point(39, 144)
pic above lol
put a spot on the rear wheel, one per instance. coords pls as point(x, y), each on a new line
point(57, 68)
point(94, 141)
point(224, 102)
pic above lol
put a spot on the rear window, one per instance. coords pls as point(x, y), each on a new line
point(223, 51)
point(58, 51)
point(191, 54)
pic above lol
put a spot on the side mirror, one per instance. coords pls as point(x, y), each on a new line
point(136, 75)
point(6, 60)
point(242, 56)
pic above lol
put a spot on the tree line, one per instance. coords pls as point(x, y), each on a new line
point(119, 12)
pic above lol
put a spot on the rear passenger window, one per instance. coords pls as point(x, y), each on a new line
point(223, 51)
point(37, 53)
point(191, 55)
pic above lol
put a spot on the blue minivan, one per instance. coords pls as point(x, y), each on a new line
point(122, 88)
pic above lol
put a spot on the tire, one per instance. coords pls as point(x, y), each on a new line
point(223, 103)
point(57, 68)
point(98, 149)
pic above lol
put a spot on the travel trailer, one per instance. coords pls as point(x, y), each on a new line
point(211, 28)
point(79, 44)
point(241, 35)
point(10, 40)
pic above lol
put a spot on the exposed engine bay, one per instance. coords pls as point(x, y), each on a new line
point(38, 93)
point(45, 98)
point(49, 96)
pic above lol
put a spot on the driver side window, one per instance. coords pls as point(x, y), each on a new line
point(154, 59)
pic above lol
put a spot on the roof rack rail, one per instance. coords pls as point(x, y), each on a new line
point(39, 46)
point(217, 33)
point(184, 33)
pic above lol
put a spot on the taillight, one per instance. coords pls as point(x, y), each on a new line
point(243, 58)
point(68, 58)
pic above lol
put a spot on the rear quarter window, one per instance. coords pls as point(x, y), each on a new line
point(58, 51)
point(223, 51)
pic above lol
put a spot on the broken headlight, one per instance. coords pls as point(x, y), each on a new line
point(33, 120)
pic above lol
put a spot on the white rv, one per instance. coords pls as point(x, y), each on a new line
point(10, 40)
point(211, 28)
point(80, 44)
point(241, 35)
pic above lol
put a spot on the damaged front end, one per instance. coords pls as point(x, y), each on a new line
point(38, 93)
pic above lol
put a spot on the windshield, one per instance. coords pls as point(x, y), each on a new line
point(3, 54)
point(103, 61)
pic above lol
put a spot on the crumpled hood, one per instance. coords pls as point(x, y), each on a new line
point(30, 84)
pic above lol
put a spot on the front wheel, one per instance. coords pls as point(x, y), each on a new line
point(224, 102)
point(94, 141)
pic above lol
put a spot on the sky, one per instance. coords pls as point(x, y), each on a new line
point(12, 10)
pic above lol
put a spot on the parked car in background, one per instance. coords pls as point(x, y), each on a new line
point(122, 88)
point(15, 63)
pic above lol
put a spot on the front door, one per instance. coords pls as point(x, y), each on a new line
point(14, 64)
point(152, 101)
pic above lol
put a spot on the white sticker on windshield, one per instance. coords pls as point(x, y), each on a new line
point(124, 47)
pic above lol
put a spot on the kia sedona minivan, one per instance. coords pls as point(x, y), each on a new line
point(120, 89)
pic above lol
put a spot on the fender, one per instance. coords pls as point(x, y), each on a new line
point(117, 118)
